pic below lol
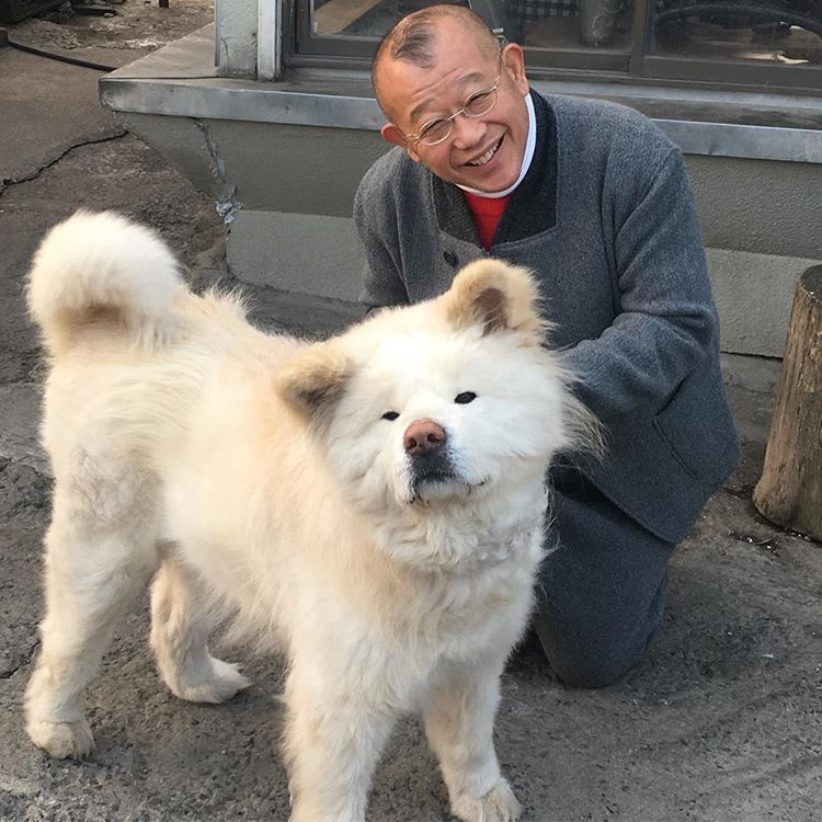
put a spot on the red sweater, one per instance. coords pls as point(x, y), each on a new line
point(487, 212)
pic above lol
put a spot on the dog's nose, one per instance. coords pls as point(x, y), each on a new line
point(423, 437)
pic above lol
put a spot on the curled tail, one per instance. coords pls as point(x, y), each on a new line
point(102, 267)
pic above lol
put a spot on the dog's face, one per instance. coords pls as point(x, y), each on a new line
point(432, 405)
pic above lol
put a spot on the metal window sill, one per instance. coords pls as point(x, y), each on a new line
point(181, 80)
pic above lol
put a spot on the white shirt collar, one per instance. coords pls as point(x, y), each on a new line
point(528, 156)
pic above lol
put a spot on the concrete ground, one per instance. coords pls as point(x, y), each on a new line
point(723, 721)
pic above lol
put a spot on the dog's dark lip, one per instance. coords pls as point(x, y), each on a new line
point(443, 479)
point(438, 476)
point(473, 486)
point(434, 478)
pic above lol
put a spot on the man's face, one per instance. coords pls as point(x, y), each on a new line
point(482, 152)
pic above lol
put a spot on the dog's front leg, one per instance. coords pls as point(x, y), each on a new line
point(335, 732)
point(459, 724)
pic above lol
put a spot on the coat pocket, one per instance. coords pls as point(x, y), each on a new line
point(698, 428)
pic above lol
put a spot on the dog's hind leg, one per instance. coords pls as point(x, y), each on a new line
point(97, 560)
point(179, 639)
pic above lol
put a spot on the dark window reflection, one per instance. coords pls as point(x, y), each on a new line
point(785, 32)
point(776, 31)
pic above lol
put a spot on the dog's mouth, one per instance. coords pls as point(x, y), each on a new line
point(437, 478)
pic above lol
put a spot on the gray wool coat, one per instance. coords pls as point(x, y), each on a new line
point(606, 220)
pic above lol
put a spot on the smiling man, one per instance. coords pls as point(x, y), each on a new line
point(483, 143)
point(595, 200)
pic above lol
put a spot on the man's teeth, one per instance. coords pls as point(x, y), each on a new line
point(481, 161)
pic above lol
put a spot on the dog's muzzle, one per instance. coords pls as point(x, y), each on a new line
point(426, 444)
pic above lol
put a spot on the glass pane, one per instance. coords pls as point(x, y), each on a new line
point(787, 32)
point(540, 23)
point(575, 25)
point(359, 18)
point(564, 32)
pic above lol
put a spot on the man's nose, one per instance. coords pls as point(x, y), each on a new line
point(468, 131)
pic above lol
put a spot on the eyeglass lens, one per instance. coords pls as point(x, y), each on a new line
point(475, 106)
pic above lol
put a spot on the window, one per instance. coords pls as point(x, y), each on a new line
point(763, 45)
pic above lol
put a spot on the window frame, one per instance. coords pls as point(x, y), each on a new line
point(636, 66)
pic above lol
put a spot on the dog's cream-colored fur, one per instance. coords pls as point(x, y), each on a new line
point(285, 483)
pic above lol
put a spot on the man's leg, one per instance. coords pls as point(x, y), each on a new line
point(601, 587)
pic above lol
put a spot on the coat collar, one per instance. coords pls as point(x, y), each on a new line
point(533, 204)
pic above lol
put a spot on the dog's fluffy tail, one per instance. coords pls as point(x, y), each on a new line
point(101, 267)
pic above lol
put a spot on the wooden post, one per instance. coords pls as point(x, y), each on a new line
point(789, 492)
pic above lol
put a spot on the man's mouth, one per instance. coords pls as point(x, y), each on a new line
point(486, 158)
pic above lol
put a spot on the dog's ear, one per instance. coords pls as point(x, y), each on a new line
point(314, 381)
point(497, 296)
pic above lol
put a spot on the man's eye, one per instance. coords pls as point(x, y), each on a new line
point(478, 103)
point(390, 415)
point(435, 130)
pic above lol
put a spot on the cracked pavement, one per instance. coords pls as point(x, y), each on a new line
point(721, 723)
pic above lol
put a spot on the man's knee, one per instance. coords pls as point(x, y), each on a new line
point(593, 670)
point(595, 656)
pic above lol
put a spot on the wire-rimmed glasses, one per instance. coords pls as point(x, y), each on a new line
point(439, 129)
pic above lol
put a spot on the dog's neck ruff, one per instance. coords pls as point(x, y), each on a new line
point(462, 538)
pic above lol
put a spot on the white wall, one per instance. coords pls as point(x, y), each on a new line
point(236, 40)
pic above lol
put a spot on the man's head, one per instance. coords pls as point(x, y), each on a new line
point(444, 61)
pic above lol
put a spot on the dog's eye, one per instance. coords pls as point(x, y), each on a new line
point(465, 397)
point(390, 415)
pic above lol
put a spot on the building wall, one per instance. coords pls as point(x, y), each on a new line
point(287, 192)
point(760, 220)
point(236, 37)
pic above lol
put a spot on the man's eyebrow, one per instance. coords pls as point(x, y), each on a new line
point(426, 105)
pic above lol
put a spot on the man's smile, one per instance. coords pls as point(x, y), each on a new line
point(486, 158)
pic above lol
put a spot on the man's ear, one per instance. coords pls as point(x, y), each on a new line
point(513, 58)
point(392, 134)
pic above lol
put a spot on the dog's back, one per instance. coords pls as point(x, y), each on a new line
point(131, 349)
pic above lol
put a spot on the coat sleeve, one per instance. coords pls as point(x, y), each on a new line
point(666, 325)
point(376, 222)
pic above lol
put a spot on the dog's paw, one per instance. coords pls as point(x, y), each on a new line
point(62, 739)
point(498, 805)
point(222, 681)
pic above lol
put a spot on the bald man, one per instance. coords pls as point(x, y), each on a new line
point(595, 200)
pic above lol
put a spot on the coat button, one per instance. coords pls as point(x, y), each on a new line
point(450, 258)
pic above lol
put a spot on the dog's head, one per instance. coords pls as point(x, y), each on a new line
point(447, 402)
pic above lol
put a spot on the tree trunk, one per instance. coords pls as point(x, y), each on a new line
point(789, 492)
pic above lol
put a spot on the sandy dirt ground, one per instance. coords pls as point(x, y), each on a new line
point(135, 27)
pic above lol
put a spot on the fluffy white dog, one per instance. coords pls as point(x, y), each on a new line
point(373, 504)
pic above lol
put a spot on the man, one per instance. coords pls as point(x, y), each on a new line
point(595, 200)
